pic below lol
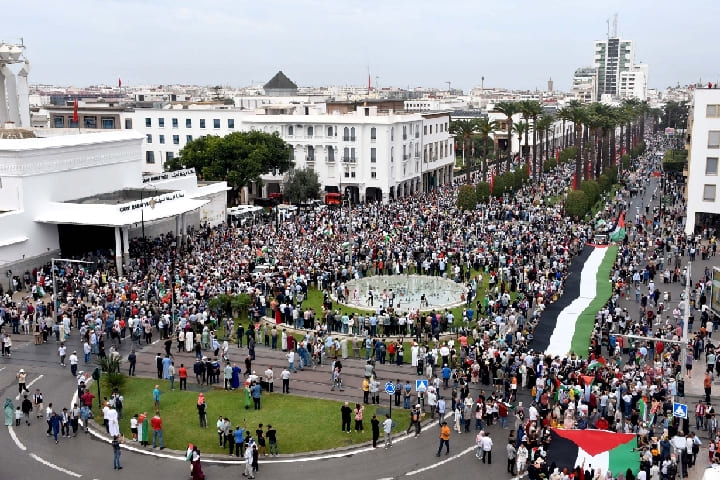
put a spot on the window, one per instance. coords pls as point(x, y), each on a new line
point(373, 133)
point(373, 174)
point(331, 154)
point(392, 154)
point(128, 123)
point(346, 134)
point(291, 131)
point(161, 122)
point(174, 123)
point(169, 156)
point(148, 122)
point(709, 193)
point(216, 123)
point(714, 139)
point(188, 123)
point(346, 154)
point(310, 153)
point(188, 138)
point(161, 139)
point(712, 111)
point(148, 138)
point(711, 165)
point(425, 130)
point(202, 123)
point(72, 123)
point(59, 122)
point(373, 155)
point(392, 133)
point(176, 139)
point(330, 132)
point(352, 134)
point(149, 157)
point(310, 131)
point(352, 174)
point(90, 122)
point(404, 132)
point(107, 123)
point(231, 123)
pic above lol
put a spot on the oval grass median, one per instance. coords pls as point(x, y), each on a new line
point(303, 424)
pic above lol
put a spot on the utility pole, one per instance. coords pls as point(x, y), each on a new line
point(686, 318)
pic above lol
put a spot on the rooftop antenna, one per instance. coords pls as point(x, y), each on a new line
point(608, 27)
point(615, 22)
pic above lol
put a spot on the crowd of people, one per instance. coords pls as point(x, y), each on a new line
point(522, 244)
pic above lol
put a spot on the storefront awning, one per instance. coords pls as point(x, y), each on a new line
point(118, 215)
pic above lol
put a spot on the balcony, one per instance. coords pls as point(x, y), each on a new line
point(348, 139)
point(310, 159)
point(347, 159)
point(330, 159)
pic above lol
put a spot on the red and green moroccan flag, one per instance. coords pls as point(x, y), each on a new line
point(600, 449)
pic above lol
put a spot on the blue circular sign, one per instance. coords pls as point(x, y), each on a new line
point(389, 388)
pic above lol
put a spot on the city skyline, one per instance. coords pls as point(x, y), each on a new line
point(316, 43)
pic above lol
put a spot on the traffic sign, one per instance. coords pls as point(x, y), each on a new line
point(390, 388)
point(680, 410)
point(421, 385)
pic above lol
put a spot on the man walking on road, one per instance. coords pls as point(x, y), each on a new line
point(486, 444)
point(707, 384)
point(444, 439)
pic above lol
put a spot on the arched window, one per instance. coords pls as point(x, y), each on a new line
point(291, 130)
point(392, 133)
point(330, 132)
point(310, 131)
point(352, 134)
point(346, 134)
point(373, 133)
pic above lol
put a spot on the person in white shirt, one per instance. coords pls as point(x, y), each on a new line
point(73, 363)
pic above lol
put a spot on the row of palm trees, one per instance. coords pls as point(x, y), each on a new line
point(592, 127)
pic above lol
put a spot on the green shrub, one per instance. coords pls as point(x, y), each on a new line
point(467, 198)
point(591, 189)
point(576, 204)
point(625, 160)
point(604, 182)
point(482, 192)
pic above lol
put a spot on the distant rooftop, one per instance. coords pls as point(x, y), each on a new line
point(280, 82)
point(9, 132)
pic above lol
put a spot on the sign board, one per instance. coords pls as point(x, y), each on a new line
point(421, 385)
point(715, 291)
point(680, 410)
point(156, 177)
point(390, 388)
point(151, 202)
point(669, 131)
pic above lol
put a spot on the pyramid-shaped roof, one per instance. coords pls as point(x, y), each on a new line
point(280, 82)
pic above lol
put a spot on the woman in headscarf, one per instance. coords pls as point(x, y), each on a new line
point(9, 412)
point(196, 472)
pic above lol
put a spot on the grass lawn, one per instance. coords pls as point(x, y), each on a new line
point(586, 320)
point(303, 424)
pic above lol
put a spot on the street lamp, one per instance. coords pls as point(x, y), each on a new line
point(142, 207)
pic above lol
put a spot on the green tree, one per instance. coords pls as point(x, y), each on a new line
point(239, 158)
point(484, 128)
point(576, 204)
point(543, 127)
point(576, 114)
point(463, 130)
point(592, 190)
point(508, 109)
point(533, 109)
point(521, 128)
point(467, 198)
point(301, 185)
point(482, 192)
point(675, 115)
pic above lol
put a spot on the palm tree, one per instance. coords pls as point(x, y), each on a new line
point(521, 128)
point(543, 126)
point(631, 108)
point(562, 114)
point(534, 109)
point(484, 128)
point(526, 111)
point(464, 131)
point(508, 109)
point(577, 114)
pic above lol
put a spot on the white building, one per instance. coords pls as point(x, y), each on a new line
point(371, 152)
point(70, 192)
point(611, 57)
point(633, 83)
point(703, 204)
point(584, 85)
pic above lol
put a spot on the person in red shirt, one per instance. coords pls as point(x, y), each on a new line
point(182, 373)
point(156, 424)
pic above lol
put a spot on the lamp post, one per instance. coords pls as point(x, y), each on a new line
point(142, 207)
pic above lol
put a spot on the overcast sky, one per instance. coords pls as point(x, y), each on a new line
point(406, 43)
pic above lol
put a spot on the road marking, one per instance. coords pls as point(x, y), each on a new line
point(55, 467)
point(443, 462)
point(17, 441)
point(1, 369)
point(29, 385)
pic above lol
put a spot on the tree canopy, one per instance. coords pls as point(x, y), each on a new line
point(301, 185)
point(240, 158)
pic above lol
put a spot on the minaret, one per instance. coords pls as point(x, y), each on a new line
point(550, 85)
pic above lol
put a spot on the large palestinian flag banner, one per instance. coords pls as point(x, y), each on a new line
point(600, 449)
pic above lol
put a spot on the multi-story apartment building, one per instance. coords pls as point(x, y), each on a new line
point(612, 56)
point(703, 204)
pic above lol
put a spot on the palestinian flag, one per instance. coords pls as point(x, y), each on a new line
point(618, 234)
point(599, 449)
